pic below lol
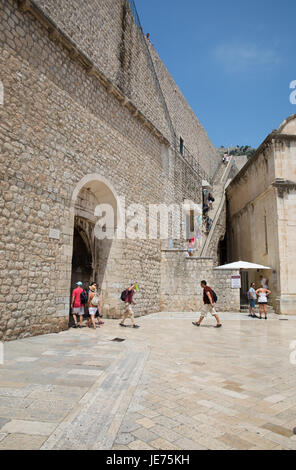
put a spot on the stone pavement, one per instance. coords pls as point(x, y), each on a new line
point(169, 385)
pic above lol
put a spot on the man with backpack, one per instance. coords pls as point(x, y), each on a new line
point(127, 297)
point(209, 299)
point(77, 304)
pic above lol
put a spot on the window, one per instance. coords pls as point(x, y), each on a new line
point(181, 146)
point(266, 239)
point(191, 221)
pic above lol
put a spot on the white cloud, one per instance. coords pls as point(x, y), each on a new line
point(242, 57)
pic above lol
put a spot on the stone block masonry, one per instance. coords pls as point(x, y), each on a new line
point(66, 138)
point(180, 284)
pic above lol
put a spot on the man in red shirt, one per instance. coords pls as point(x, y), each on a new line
point(128, 306)
point(77, 307)
point(209, 307)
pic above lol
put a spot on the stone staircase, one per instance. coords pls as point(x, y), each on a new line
point(245, 309)
point(219, 186)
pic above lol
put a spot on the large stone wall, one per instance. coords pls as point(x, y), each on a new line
point(68, 142)
point(185, 123)
point(180, 283)
point(106, 32)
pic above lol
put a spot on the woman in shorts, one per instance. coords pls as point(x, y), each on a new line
point(93, 300)
point(262, 301)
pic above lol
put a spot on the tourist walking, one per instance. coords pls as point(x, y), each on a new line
point(93, 303)
point(77, 307)
point(211, 200)
point(190, 246)
point(205, 209)
point(208, 224)
point(127, 297)
point(209, 299)
point(262, 301)
point(252, 297)
point(99, 308)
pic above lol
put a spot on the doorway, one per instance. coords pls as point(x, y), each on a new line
point(92, 256)
point(81, 261)
point(244, 288)
point(222, 251)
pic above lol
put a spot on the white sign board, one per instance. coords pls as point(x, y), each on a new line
point(236, 282)
point(54, 234)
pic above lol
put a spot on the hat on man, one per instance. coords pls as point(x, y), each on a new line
point(79, 284)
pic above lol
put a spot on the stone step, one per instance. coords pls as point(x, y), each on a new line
point(245, 308)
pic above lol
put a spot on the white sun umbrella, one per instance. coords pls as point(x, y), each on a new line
point(242, 265)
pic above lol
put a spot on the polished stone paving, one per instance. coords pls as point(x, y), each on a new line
point(168, 386)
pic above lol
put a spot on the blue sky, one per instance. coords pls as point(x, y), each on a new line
point(233, 60)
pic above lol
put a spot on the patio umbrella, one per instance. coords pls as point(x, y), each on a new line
point(242, 265)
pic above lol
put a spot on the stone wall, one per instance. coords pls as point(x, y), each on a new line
point(66, 136)
point(106, 32)
point(185, 123)
point(180, 283)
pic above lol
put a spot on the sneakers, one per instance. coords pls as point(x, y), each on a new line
point(219, 325)
point(124, 326)
point(195, 323)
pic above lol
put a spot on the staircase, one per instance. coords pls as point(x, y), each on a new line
point(219, 187)
point(245, 309)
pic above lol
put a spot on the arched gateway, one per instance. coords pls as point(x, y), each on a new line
point(90, 255)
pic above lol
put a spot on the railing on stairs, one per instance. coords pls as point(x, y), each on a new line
point(224, 181)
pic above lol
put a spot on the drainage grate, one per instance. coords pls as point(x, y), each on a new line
point(118, 340)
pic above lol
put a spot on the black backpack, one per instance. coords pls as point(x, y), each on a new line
point(123, 296)
point(215, 298)
point(83, 297)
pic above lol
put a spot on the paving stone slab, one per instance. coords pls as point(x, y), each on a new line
point(21, 442)
point(29, 427)
point(196, 386)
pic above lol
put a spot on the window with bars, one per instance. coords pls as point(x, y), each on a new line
point(266, 235)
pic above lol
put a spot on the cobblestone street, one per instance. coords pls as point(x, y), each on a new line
point(169, 385)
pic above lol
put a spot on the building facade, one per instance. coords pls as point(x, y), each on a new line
point(262, 214)
point(90, 116)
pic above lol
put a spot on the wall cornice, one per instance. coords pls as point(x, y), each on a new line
point(274, 136)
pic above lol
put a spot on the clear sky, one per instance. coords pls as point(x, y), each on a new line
point(233, 60)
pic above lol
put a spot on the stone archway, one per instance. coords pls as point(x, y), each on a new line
point(90, 255)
